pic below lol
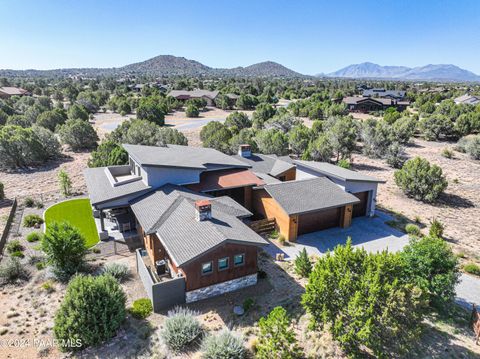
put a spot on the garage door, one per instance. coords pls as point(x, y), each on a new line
point(360, 209)
point(316, 221)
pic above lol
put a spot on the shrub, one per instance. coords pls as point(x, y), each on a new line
point(78, 134)
point(14, 246)
point(431, 265)
point(11, 270)
point(447, 153)
point(32, 220)
point(248, 304)
point(2, 191)
point(34, 237)
point(343, 163)
point(48, 286)
point(473, 147)
point(282, 240)
point(276, 338)
point(40, 265)
point(181, 328)
point(436, 228)
point(118, 271)
point(412, 229)
point(420, 180)
point(17, 254)
point(29, 202)
point(303, 266)
point(362, 299)
point(141, 308)
point(192, 111)
point(223, 345)
point(38, 204)
point(65, 183)
point(93, 309)
point(472, 268)
point(65, 248)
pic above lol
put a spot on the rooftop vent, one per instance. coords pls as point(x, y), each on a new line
point(245, 151)
point(203, 210)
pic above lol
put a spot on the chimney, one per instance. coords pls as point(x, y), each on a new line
point(203, 210)
point(245, 151)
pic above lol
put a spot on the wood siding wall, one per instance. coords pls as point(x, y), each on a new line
point(193, 270)
point(265, 206)
point(289, 175)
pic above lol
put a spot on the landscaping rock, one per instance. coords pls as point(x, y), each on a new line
point(238, 310)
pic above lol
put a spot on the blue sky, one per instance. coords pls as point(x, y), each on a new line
point(307, 36)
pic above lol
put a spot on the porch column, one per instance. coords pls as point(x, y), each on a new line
point(102, 222)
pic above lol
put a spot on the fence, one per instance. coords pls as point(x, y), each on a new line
point(6, 230)
point(263, 225)
point(164, 295)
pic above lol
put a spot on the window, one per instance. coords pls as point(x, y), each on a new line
point(207, 268)
point(239, 260)
point(223, 263)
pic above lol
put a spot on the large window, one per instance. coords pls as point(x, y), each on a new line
point(239, 259)
point(223, 263)
point(207, 268)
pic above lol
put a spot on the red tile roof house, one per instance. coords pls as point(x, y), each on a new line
point(189, 208)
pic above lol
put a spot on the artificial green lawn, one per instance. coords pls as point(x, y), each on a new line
point(78, 212)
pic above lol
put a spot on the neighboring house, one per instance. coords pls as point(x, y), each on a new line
point(190, 208)
point(381, 92)
point(467, 100)
point(183, 95)
point(370, 104)
point(6, 92)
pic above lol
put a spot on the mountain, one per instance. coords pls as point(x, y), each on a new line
point(167, 64)
point(164, 65)
point(428, 72)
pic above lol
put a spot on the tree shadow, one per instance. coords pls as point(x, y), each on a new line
point(453, 201)
point(45, 167)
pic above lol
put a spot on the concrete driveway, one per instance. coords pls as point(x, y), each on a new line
point(373, 235)
point(370, 233)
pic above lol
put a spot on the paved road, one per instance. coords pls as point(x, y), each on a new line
point(373, 235)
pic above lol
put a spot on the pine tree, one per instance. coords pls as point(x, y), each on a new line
point(303, 266)
point(65, 183)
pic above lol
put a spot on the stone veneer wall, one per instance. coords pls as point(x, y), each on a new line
point(220, 288)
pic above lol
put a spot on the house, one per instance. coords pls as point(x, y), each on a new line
point(183, 95)
point(190, 210)
point(467, 100)
point(187, 207)
point(371, 104)
point(381, 92)
point(7, 92)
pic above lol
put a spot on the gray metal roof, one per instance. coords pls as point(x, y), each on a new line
point(101, 190)
point(182, 156)
point(170, 212)
point(194, 94)
point(151, 208)
point(331, 170)
point(268, 164)
point(296, 197)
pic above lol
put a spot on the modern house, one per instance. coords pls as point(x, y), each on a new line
point(7, 92)
point(370, 104)
point(191, 208)
point(381, 92)
point(467, 100)
point(183, 95)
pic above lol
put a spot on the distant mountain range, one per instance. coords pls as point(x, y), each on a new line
point(164, 65)
point(168, 65)
point(429, 72)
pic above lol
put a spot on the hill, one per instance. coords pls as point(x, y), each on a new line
point(429, 72)
point(163, 65)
